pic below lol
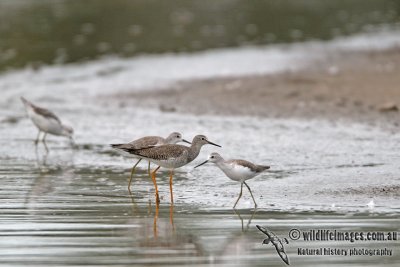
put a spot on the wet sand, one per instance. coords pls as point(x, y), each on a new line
point(355, 86)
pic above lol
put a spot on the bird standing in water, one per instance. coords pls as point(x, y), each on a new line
point(171, 157)
point(147, 142)
point(47, 122)
point(237, 170)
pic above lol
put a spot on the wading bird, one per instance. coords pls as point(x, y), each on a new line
point(237, 170)
point(47, 122)
point(147, 142)
point(171, 157)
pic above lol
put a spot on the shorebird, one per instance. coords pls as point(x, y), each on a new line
point(171, 157)
point(47, 122)
point(238, 170)
point(147, 142)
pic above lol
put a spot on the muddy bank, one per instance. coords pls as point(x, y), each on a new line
point(361, 86)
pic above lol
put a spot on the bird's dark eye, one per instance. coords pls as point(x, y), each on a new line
point(203, 138)
point(212, 157)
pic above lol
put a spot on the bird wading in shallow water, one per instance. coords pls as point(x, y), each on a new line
point(47, 122)
point(147, 142)
point(237, 170)
point(171, 157)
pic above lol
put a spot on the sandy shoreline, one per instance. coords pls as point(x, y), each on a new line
point(356, 86)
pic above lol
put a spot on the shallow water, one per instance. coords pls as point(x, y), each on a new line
point(72, 207)
point(64, 31)
point(314, 164)
point(71, 215)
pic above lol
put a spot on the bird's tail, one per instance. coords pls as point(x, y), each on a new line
point(122, 147)
point(117, 145)
point(119, 148)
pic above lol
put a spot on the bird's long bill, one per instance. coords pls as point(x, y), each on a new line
point(201, 164)
point(214, 144)
point(186, 141)
point(24, 100)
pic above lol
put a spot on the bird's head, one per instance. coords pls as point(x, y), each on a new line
point(201, 140)
point(68, 131)
point(214, 157)
point(176, 137)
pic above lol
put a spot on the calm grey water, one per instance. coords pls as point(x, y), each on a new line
point(66, 215)
point(39, 32)
point(71, 207)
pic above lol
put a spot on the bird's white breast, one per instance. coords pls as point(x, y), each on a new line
point(49, 125)
point(237, 172)
point(171, 163)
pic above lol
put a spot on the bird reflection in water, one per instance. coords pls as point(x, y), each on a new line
point(48, 181)
point(136, 210)
point(241, 219)
point(157, 232)
point(43, 160)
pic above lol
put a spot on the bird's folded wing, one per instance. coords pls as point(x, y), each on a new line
point(161, 152)
point(46, 113)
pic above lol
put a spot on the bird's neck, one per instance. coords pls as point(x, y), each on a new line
point(168, 140)
point(222, 165)
point(194, 151)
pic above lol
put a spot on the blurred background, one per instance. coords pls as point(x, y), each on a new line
point(309, 87)
point(33, 33)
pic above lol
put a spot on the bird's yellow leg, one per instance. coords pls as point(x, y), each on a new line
point(155, 222)
point(153, 177)
point(240, 195)
point(170, 185)
point(171, 215)
point(132, 172)
point(248, 187)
